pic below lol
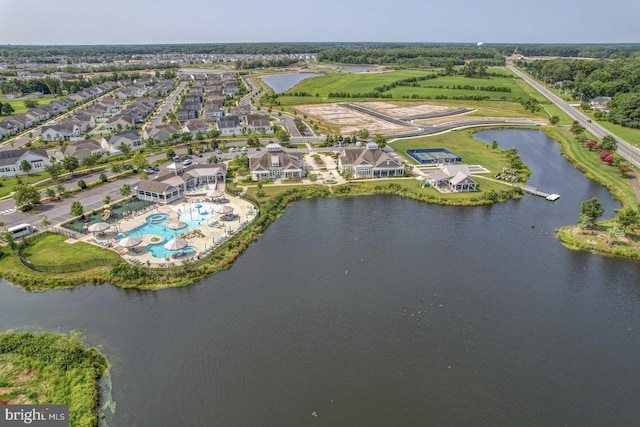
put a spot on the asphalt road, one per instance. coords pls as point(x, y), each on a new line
point(58, 212)
point(626, 150)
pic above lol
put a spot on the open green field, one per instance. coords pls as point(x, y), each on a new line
point(18, 105)
point(449, 86)
point(351, 83)
point(454, 87)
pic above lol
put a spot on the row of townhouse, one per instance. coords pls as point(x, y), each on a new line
point(12, 125)
point(206, 96)
point(11, 161)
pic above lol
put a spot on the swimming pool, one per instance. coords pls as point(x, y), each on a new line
point(158, 251)
point(157, 224)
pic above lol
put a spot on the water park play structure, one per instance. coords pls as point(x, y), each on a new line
point(108, 213)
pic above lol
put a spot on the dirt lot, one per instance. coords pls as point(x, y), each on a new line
point(348, 120)
point(402, 111)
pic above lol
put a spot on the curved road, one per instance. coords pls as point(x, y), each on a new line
point(626, 150)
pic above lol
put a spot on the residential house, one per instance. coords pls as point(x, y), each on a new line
point(185, 114)
point(10, 161)
point(242, 111)
point(112, 104)
point(195, 126)
point(38, 115)
point(8, 128)
point(369, 162)
point(78, 149)
point(600, 103)
point(88, 120)
point(61, 132)
point(258, 123)
point(78, 127)
point(275, 163)
point(25, 122)
point(229, 125)
point(120, 122)
point(212, 114)
point(112, 144)
point(161, 132)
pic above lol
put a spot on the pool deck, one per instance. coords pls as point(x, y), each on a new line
point(214, 235)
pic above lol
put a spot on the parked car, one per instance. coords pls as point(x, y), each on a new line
point(155, 168)
point(197, 154)
point(150, 171)
point(186, 162)
point(177, 159)
point(258, 148)
point(186, 157)
point(218, 151)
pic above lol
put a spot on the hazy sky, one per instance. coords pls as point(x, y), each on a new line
point(217, 21)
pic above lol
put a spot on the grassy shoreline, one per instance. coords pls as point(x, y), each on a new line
point(131, 276)
point(48, 368)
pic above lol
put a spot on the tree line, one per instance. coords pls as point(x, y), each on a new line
point(585, 80)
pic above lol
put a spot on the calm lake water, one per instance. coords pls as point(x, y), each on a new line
point(380, 311)
point(283, 82)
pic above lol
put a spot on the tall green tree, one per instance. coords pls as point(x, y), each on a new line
point(70, 163)
point(30, 103)
point(576, 128)
point(590, 212)
point(25, 195)
point(76, 208)
point(627, 218)
point(25, 166)
point(7, 109)
point(125, 190)
point(55, 169)
point(609, 144)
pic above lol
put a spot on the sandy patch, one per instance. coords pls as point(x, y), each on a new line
point(349, 120)
point(403, 111)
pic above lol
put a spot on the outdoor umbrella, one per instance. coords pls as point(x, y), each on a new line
point(175, 244)
point(223, 209)
point(98, 227)
point(129, 242)
point(215, 194)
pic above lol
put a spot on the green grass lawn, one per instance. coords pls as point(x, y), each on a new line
point(51, 249)
point(472, 152)
point(18, 105)
point(632, 136)
point(351, 83)
point(598, 170)
point(8, 183)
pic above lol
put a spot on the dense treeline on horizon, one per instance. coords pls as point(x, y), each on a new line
point(418, 56)
point(585, 80)
point(596, 51)
point(342, 49)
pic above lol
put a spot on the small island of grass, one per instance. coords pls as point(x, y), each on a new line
point(47, 368)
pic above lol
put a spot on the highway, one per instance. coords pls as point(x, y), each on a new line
point(626, 150)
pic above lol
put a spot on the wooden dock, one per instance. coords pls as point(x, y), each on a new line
point(552, 197)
